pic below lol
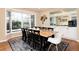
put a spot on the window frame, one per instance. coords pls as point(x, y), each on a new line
point(16, 30)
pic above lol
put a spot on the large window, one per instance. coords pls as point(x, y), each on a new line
point(52, 21)
point(26, 24)
point(16, 21)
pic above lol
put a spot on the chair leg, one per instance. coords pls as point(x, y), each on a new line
point(49, 47)
point(56, 47)
point(23, 38)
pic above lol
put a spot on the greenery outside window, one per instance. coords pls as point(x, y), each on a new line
point(16, 21)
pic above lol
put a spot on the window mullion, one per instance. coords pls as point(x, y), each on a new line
point(22, 22)
point(11, 23)
point(30, 22)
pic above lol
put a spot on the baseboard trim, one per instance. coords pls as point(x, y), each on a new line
point(4, 40)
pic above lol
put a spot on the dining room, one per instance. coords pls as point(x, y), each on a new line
point(39, 29)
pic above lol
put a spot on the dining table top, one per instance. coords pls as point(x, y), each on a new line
point(44, 33)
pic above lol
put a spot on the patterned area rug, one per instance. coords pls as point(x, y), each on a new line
point(20, 45)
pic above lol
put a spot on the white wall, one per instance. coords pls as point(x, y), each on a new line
point(47, 21)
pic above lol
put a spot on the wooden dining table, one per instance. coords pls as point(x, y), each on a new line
point(46, 33)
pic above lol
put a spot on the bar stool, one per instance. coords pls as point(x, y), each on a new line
point(55, 41)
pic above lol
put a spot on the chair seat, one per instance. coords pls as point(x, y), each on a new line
point(54, 40)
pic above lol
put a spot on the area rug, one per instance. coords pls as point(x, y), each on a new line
point(19, 45)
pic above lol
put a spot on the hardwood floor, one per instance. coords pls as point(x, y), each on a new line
point(73, 46)
point(5, 46)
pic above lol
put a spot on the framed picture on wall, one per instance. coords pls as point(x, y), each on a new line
point(62, 20)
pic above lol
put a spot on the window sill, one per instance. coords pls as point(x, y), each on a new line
point(14, 32)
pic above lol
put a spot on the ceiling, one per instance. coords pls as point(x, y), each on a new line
point(48, 9)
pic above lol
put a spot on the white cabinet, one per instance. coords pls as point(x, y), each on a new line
point(67, 32)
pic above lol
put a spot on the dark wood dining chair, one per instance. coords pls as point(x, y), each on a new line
point(37, 40)
point(23, 34)
point(51, 29)
point(29, 36)
point(26, 31)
